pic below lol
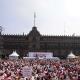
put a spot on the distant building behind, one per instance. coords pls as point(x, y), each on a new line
point(61, 46)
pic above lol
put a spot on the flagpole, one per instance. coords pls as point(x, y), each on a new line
point(34, 18)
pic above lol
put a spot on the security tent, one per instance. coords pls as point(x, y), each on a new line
point(14, 55)
point(71, 55)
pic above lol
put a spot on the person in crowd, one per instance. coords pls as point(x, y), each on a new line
point(40, 69)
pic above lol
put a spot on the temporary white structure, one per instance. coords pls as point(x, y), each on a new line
point(41, 55)
point(71, 55)
point(28, 57)
point(14, 55)
point(54, 58)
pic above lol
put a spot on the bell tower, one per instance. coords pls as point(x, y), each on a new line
point(34, 38)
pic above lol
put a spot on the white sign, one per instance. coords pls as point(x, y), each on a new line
point(27, 71)
point(41, 54)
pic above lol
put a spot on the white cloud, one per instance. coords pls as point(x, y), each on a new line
point(72, 7)
point(72, 16)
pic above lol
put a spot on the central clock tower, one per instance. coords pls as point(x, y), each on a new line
point(34, 39)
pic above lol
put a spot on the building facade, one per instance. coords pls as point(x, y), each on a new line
point(61, 46)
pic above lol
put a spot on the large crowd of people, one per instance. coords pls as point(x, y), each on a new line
point(40, 69)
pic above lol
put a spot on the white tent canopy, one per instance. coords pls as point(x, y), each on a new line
point(14, 55)
point(71, 55)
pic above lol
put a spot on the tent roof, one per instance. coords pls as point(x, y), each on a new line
point(14, 54)
point(71, 55)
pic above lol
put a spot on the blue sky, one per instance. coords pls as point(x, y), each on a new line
point(53, 17)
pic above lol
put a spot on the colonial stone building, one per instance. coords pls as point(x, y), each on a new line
point(35, 42)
